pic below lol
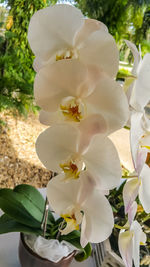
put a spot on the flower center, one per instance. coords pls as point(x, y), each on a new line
point(72, 168)
point(67, 54)
point(73, 109)
point(71, 221)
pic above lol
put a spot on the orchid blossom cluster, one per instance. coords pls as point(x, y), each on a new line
point(139, 182)
point(76, 60)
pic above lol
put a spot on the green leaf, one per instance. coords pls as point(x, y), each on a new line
point(83, 255)
point(7, 225)
point(74, 239)
point(34, 196)
point(19, 208)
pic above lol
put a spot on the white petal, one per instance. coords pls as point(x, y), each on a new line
point(109, 100)
point(130, 192)
point(89, 26)
point(58, 80)
point(61, 195)
point(49, 118)
point(132, 212)
point(136, 133)
point(141, 93)
point(95, 226)
point(137, 230)
point(87, 185)
point(100, 49)
point(55, 145)
point(90, 126)
point(54, 28)
point(125, 247)
point(144, 192)
point(102, 161)
point(136, 56)
point(123, 148)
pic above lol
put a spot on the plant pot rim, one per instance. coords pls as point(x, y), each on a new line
point(39, 257)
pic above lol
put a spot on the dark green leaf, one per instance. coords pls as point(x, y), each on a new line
point(19, 208)
point(7, 225)
point(35, 197)
point(83, 255)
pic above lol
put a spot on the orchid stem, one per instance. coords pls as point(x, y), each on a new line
point(129, 177)
point(45, 217)
point(120, 227)
point(146, 218)
point(59, 232)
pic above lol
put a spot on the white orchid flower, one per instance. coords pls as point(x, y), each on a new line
point(61, 148)
point(139, 184)
point(130, 239)
point(70, 91)
point(139, 90)
point(61, 32)
point(139, 132)
point(81, 204)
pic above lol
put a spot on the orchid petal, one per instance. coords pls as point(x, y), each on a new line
point(136, 133)
point(141, 94)
point(90, 126)
point(123, 148)
point(49, 118)
point(109, 100)
point(125, 247)
point(101, 49)
point(101, 159)
point(96, 227)
point(136, 56)
point(62, 196)
point(89, 26)
point(137, 230)
point(49, 89)
point(132, 212)
point(144, 192)
point(130, 192)
point(47, 34)
point(56, 144)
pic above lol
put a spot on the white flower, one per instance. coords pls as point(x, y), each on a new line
point(61, 148)
point(140, 90)
point(79, 203)
point(139, 132)
point(130, 239)
point(70, 91)
point(61, 32)
point(138, 186)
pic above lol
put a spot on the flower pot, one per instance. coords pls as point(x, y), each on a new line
point(29, 258)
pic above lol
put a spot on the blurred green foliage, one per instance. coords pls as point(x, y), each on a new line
point(16, 58)
point(125, 19)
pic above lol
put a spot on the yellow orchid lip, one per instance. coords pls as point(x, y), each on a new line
point(72, 112)
point(70, 169)
point(70, 219)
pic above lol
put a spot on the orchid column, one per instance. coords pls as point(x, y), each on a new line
point(76, 60)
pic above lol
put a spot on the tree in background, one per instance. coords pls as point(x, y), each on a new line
point(16, 58)
point(126, 19)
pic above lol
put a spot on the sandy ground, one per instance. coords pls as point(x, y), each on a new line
point(18, 160)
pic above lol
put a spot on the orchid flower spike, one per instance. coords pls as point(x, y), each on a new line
point(70, 91)
point(61, 32)
point(82, 206)
point(63, 149)
point(130, 240)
